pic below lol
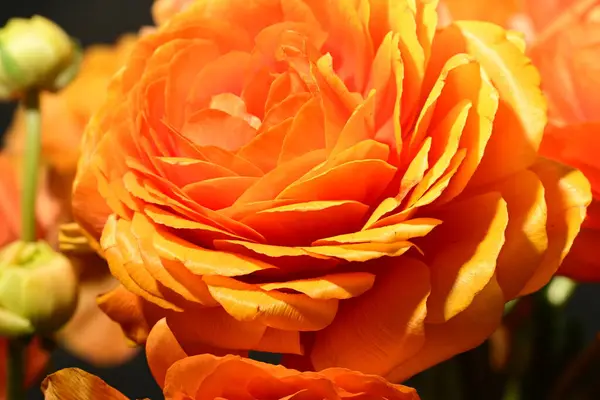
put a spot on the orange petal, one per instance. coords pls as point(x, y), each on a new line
point(582, 263)
point(451, 126)
point(302, 223)
point(526, 238)
point(376, 331)
point(229, 189)
point(477, 130)
point(334, 286)
point(412, 176)
point(356, 382)
point(76, 384)
point(181, 72)
point(202, 233)
point(225, 74)
point(271, 185)
point(263, 151)
point(283, 109)
point(400, 17)
point(205, 376)
point(158, 191)
point(289, 259)
point(214, 327)
point(365, 150)
point(456, 67)
point(124, 258)
point(175, 282)
point(361, 252)
point(362, 181)
point(162, 351)
point(229, 160)
point(403, 231)
point(183, 171)
point(360, 126)
point(467, 330)
point(280, 341)
point(275, 309)
point(211, 127)
point(568, 193)
point(306, 132)
point(387, 74)
point(338, 101)
point(135, 315)
point(462, 253)
point(201, 261)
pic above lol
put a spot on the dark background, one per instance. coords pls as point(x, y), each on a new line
point(103, 21)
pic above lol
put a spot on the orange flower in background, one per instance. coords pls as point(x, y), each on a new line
point(90, 334)
point(335, 180)
point(36, 361)
point(565, 47)
point(567, 52)
point(10, 202)
point(232, 377)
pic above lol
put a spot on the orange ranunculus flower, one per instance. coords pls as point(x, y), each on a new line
point(36, 361)
point(231, 377)
point(90, 334)
point(337, 179)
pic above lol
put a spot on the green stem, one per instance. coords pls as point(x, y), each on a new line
point(16, 369)
point(33, 120)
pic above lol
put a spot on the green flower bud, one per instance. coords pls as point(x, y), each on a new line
point(35, 54)
point(38, 289)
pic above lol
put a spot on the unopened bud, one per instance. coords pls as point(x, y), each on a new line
point(35, 54)
point(38, 289)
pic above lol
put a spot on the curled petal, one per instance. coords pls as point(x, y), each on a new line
point(567, 194)
point(383, 327)
point(76, 384)
point(465, 331)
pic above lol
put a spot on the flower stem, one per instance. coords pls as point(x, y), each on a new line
point(33, 120)
point(16, 369)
